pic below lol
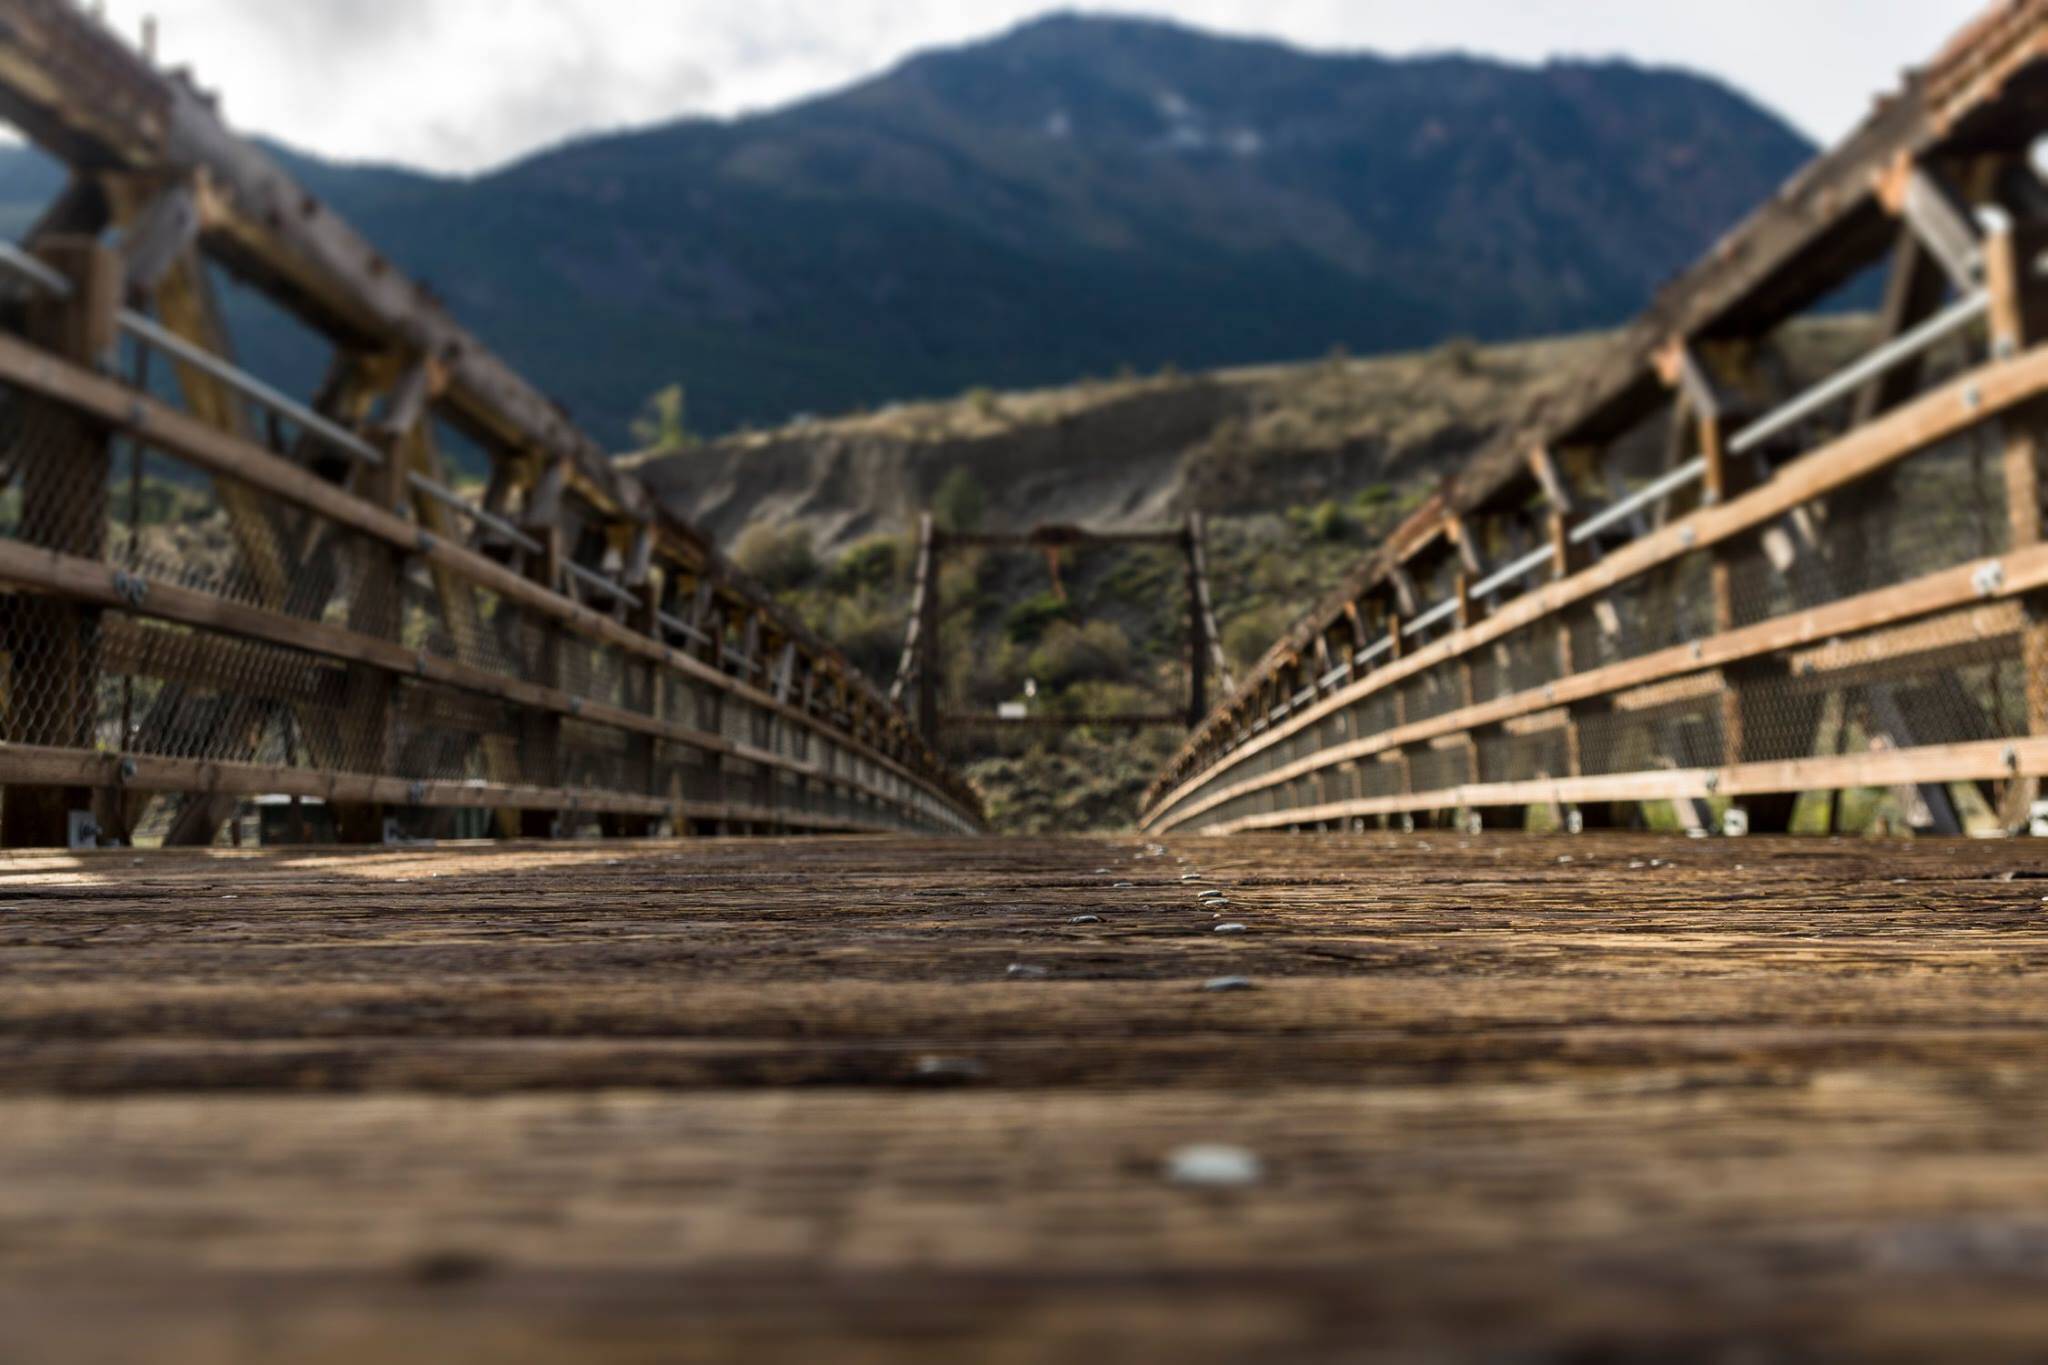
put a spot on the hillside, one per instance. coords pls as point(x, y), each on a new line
point(1116, 452)
point(1299, 469)
point(1075, 196)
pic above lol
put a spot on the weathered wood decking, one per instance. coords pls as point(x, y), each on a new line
point(1752, 1098)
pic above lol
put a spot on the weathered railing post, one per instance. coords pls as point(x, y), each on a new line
point(1744, 686)
point(370, 726)
point(643, 690)
point(53, 646)
point(1468, 689)
point(929, 607)
point(2019, 318)
point(540, 738)
point(1397, 647)
point(1198, 625)
point(1566, 560)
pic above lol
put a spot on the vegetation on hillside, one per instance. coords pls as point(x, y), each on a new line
point(1300, 471)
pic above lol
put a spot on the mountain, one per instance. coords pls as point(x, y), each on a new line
point(1077, 196)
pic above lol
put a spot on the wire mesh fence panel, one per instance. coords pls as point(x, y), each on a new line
point(1441, 766)
point(1526, 755)
point(1437, 692)
point(446, 735)
point(452, 619)
point(1941, 507)
point(170, 691)
point(599, 758)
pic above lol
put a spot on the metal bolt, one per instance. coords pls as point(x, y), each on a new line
point(1214, 1165)
point(949, 1070)
point(1229, 983)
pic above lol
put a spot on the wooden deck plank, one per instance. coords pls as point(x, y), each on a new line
point(1513, 1098)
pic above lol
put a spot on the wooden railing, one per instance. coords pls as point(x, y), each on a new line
point(1699, 583)
point(211, 591)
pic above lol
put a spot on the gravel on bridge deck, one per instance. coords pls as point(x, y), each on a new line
point(837, 1100)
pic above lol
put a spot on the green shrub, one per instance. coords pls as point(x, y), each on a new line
point(1029, 619)
point(959, 503)
point(1071, 654)
point(871, 563)
point(661, 424)
point(780, 556)
point(989, 675)
point(1247, 638)
point(1326, 521)
point(869, 630)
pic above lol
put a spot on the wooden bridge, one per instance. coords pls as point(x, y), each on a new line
point(1441, 1093)
point(1691, 584)
point(220, 591)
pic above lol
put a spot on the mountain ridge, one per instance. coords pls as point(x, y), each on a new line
point(1079, 195)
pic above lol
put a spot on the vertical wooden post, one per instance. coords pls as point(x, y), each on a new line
point(1198, 625)
point(2019, 318)
point(1468, 689)
point(643, 693)
point(1567, 559)
point(1398, 646)
point(53, 647)
point(540, 739)
point(1742, 685)
point(928, 679)
point(370, 726)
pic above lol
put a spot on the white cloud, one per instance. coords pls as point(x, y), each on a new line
point(465, 84)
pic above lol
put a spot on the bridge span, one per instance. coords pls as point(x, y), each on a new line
point(1689, 583)
point(975, 1099)
point(1448, 1093)
point(218, 591)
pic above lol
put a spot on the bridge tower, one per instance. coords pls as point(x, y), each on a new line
point(920, 664)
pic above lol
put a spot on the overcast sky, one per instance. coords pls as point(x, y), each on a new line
point(462, 85)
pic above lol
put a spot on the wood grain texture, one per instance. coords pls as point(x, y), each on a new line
point(1515, 1098)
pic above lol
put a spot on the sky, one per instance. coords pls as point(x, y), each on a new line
point(464, 85)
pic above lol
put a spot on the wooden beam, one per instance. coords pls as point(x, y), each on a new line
point(1967, 762)
point(1957, 406)
point(1814, 235)
point(1856, 625)
point(188, 439)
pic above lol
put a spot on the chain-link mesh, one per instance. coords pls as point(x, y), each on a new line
point(151, 681)
point(1929, 681)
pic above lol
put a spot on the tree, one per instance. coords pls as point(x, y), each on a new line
point(660, 424)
